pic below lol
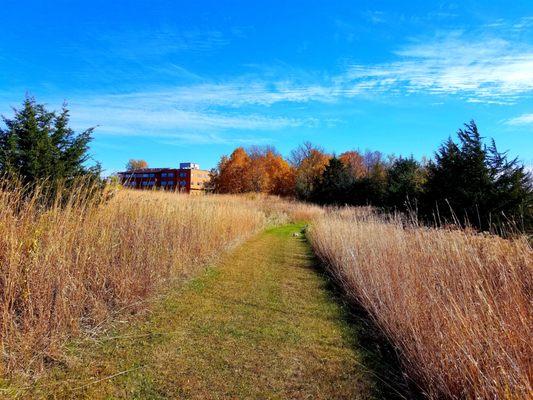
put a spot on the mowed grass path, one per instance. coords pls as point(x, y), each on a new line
point(261, 324)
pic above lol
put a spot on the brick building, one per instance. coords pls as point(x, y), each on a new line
point(188, 178)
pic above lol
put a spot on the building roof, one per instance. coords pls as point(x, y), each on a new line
point(153, 170)
point(148, 170)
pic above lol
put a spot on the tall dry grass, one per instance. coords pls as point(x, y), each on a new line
point(284, 209)
point(456, 305)
point(69, 268)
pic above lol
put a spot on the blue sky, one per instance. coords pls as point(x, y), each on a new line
point(171, 81)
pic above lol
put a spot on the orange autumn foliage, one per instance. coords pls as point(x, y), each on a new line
point(281, 175)
point(310, 170)
point(263, 171)
point(233, 175)
point(355, 163)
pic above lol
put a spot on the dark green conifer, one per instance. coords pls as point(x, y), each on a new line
point(38, 146)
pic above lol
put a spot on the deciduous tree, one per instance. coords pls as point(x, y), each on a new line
point(355, 163)
point(258, 169)
point(281, 176)
point(234, 173)
point(136, 164)
point(310, 162)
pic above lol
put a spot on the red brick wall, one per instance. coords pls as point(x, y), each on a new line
point(165, 178)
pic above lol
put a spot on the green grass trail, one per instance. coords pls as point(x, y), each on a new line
point(260, 324)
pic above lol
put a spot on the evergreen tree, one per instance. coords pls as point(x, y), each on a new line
point(471, 184)
point(371, 188)
point(459, 179)
point(512, 192)
point(37, 145)
point(334, 185)
point(406, 179)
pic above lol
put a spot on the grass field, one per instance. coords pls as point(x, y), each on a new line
point(112, 300)
point(261, 323)
point(456, 304)
point(74, 269)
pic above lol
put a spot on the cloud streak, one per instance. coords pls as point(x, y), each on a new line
point(154, 115)
point(484, 70)
point(524, 119)
point(488, 70)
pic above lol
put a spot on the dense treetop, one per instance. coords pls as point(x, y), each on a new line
point(38, 145)
point(132, 164)
point(467, 182)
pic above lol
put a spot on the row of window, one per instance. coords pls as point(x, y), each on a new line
point(131, 176)
point(152, 183)
point(163, 183)
point(152, 175)
point(164, 175)
point(171, 183)
point(171, 174)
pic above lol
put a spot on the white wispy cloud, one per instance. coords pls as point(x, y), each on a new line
point(478, 68)
point(231, 94)
point(524, 119)
point(196, 114)
point(523, 23)
point(482, 69)
point(153, 114)
point(184, 139)
point(485, 69)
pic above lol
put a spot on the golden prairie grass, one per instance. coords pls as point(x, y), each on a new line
point(259, 324)
point(69, 269)
point(456, 305)
point(284, 208)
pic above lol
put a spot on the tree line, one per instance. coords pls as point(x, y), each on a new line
point(467, 182)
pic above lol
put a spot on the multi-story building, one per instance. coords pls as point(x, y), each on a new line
point(188, 178)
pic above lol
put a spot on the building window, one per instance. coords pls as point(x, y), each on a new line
point(145, 183)
point(183, 174)
point(163, 183)
point(183, 183)
point(171, 174)
point(145, 175)
point(163, 175)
